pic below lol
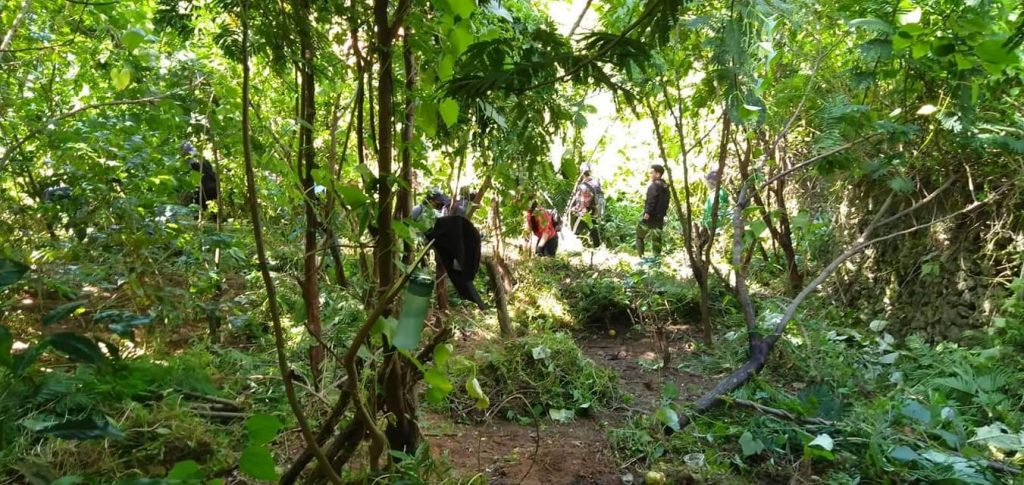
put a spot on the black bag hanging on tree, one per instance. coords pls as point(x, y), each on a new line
point(457, 244)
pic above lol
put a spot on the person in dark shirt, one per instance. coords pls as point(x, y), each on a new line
point(655, 208)
point(207, 189)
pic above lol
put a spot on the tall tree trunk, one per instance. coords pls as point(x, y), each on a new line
point(402, 432)
point(261, 255)
point(403, 207)
point(306, 164)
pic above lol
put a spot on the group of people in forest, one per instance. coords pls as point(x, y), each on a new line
point(587, 207)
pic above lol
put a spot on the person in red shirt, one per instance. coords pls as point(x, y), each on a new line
point(541, 224)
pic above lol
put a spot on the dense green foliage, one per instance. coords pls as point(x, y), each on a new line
point(872, 152)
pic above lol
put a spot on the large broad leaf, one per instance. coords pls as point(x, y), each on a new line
point(442, 353)
point(6, 343)
point(11, 271)
point(133, 38)
point(462, 8)
point(263, 428)
point(993, 51)
point(561, 415)
point(77, 348)
point(668, 417)
point(122, 322)
point(352, 196)
point(873, 24)
point(438, 380)
point(185, 470)
point(904, 453)
point(426, 118)
point(460, 39)
point(449, 109)
point(90, 428)
point(62, 312)
point(257, 462)
point(917, 412)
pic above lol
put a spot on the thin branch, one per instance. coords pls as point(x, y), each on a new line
point(9, 36)
point(920, 203)
point(807, 162)
point(779, 413)
point(579, 19)
point(261, 253)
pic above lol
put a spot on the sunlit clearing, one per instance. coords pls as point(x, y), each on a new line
point(552, 305)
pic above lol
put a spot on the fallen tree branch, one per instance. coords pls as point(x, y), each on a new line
point(760, 347)
point(779, 413)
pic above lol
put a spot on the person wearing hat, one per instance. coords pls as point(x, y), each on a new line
point(426, 212)
point(655, 208)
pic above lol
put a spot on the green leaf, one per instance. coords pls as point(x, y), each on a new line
point(62, 312)
point(993, 51)
point(352, 196)
point(460, 39)
point(185, 470)
point(668, 417)
point(914, 410)
point(438, 380)
point(133, 38)
point(121, 77)
point(823, 441)
point(449, 109)
point(426, 118)
point(122, 322)
point(872, 24)
point(462, 8)
point(11, 271)
point(446, 67)
point(942, 48)
point(919, 49)
point(90, 428)
point(749, 445)
point(78, 348)
point(6, 344)
point(476, 392)
point(911, 17)
point(442, 353)
point(540, 352)
point(258, 463)
point(263, 428)
point(904, 454)
point(561, 415)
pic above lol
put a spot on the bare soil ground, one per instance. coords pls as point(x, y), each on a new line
point(574, 453)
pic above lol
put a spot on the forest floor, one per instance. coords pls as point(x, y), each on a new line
point(578, 452)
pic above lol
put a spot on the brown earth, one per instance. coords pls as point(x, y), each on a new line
point(574, 453)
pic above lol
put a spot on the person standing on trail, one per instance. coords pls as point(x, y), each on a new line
point(704, 232)
point(655, 208)
point(542, 224)
point(588, 200)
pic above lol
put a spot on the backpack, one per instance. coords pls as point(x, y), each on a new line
point(555, 219)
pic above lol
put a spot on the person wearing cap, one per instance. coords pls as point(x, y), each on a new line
point(655, 208)
point(430, 209)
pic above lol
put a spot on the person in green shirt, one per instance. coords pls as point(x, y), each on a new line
point(712, 181)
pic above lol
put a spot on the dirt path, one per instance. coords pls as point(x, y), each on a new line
point(575, 453)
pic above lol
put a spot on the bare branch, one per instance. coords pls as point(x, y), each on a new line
point(807, 162)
